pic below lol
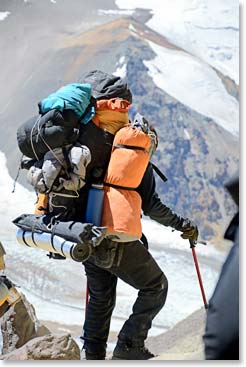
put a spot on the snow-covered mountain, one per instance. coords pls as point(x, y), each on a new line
point(207, 29)
point(196, 85)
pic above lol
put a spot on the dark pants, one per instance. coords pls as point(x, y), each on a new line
point(132, 263)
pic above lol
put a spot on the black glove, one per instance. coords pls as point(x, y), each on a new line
point(190, 230)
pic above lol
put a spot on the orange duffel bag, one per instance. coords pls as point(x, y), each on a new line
point(127, 165)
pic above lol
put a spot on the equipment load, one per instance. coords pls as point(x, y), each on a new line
point(61, 115)
point(41, 134)
point(55, 160)
point(54, 244)
point(73, 240)
point(66, 150)
point(74, 97)
point(133, 147)
point(61, 168)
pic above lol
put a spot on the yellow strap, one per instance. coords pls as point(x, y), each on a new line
point(4, 293)
point(2, 263)
point(3, 300)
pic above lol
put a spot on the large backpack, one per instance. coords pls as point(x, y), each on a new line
point(60, 117)
point(59, 126)
point(46, 132)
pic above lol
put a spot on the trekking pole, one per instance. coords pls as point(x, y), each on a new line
point(192, 246)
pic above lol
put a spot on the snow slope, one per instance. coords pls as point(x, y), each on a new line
point(12, 204)
point(195, 84)
point(4, 14)
point(208, 29)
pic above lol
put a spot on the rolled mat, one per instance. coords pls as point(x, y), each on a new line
point(76, 232)
point(54, 244)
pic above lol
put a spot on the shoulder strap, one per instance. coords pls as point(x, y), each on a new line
point(119, 187)
point(160, 174)
point(67, 160)
point(124, 146)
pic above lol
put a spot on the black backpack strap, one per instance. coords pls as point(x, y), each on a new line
point(156, 169)
point(134, 147)
point(67, 160)
point(119, 187)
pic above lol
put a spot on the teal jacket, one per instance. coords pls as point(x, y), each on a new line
point(74, 96)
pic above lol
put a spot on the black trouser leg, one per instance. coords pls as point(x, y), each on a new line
point(102, 295)
point(133, 264)
point(139, 269)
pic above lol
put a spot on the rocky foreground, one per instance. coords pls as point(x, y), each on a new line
point(183, 341)
point(25, 338)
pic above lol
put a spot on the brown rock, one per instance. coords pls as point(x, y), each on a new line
point(19, 325)
point(48, 347)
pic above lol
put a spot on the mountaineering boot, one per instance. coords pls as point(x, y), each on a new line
point(124, 351)
point(90, 356)
point(93, 351)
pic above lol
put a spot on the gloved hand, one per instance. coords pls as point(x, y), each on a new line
point(190, 230)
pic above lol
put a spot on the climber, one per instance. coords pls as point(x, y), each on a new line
point(122, 255)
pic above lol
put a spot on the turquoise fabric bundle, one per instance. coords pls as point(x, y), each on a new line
point(74, 96)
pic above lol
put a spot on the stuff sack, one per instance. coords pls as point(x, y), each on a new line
point(61, 169)
point(43, 133)
point(71, 231)
point(122, 204)
point(75, 97)
point(61, 115)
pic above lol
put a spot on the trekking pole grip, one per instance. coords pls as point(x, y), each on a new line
point(192, 243)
